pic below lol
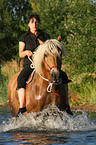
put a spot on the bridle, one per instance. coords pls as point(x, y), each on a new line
point(49, 88)
point(48, 64)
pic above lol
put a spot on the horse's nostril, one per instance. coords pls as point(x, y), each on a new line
point(55, 77)
point(52, 75)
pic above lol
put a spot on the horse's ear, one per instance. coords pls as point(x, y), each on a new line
point(41, 42)
point(59, 38)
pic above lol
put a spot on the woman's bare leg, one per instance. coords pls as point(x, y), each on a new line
point(22, 101)
point(21, 94)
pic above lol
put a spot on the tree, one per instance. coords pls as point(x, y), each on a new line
point(53, 14)
point(81, 47)
point(75, 21)
point(13, 22)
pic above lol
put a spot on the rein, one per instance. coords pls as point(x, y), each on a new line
point(49, 88)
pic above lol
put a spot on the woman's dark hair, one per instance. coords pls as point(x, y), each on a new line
point(34, 16)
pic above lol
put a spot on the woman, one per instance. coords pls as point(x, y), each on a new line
point(28, 42)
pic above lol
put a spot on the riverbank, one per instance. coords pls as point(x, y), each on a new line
point(86, 107)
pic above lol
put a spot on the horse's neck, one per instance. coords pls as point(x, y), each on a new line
point(40, 78)
point(37, 86)
point(38, 83)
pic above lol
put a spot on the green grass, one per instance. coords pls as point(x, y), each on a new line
point(85, 88)
point(3, 90)
point(8, 69)
point(83, 85)
point(88, 92)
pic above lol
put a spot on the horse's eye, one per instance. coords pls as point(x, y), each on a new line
point(45, 55)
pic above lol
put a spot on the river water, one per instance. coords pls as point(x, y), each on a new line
point(50, 127)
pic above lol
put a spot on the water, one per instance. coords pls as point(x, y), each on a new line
point(51, 127)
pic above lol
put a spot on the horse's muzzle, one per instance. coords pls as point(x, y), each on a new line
point(55, 75)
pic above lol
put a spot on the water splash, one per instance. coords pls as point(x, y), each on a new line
point(50, 119)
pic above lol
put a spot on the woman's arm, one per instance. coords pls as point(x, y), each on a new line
point(23, 53)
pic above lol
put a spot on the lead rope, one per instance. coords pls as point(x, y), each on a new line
point(32, 64)
point(49, 88)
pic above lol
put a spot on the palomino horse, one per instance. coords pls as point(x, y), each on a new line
point(46, 86)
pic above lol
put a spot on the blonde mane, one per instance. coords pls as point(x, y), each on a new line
point(51, 46)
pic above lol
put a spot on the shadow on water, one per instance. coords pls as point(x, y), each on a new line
point(50, 126)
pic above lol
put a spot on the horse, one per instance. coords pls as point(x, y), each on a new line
point(46, 87)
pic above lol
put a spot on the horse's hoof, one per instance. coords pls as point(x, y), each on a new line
point(67, 108)
point(21, 111)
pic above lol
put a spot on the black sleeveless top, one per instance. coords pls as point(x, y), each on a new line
point(31, 42)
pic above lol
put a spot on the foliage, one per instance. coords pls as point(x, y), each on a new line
point(72, 19)
point(81, 48)
point(10, 68)
point(75, 21)
point(13, 21)
point(84, 85)
point(3, 89)
point(53, 14)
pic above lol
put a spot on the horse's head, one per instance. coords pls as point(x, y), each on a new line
point(52, 63)
point(48, 58)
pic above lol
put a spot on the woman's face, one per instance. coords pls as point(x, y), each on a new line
point(33, 25)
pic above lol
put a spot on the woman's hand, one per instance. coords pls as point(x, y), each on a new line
point(28, 53)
